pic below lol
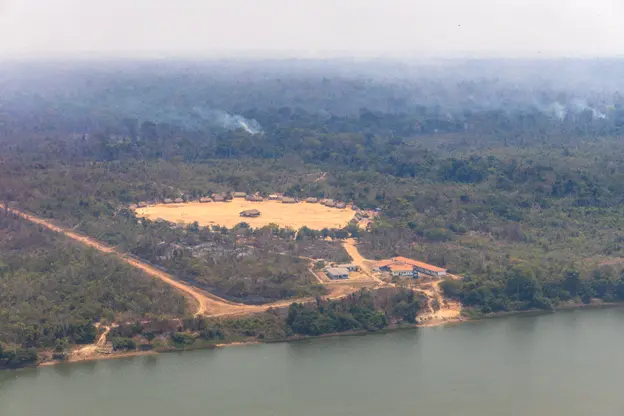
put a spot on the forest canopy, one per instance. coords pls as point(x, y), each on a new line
point(518, 187)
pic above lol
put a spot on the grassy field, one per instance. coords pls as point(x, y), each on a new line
point(314, 216)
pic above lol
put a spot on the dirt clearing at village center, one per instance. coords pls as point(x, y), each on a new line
point(314, 216)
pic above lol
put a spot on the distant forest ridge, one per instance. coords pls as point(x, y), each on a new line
point(198, 95)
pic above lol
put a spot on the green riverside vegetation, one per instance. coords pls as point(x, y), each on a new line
point(528, 207)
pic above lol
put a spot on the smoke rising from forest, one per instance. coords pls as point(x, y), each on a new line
point(228, 121)
point(231, 95)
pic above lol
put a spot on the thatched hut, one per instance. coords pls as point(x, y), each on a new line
point(288, 200)
point(167, 201)
point(179, 200)
point(142, 204)
point(312, 200)
point(204, 199)
point(340, 205)
point(250, 213)
point(239, 195)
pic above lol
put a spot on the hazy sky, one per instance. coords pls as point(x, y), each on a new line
point(313, 27)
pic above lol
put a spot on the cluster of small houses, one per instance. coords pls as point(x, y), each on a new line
point(226, 197)
point(396, 266)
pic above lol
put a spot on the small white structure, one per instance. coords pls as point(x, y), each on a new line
point(349, 266)
point(336, 273)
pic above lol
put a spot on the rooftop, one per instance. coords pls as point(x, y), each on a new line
point(250, 212)
point(416, 263)
point(337, 270)
point(401, 267)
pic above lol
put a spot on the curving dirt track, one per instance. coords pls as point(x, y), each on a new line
point(207, 303)
point(350, 247)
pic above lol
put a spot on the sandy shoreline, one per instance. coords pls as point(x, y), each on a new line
point(102, 357)
point(432, 324)
point(98, 357)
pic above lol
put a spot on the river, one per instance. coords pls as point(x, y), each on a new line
point(568, 363)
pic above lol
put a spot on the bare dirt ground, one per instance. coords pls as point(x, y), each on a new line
point(207, 304)
point(87, 352)
point(314, 216)
point(364, 264)
point(450, 311)
point(211, 305)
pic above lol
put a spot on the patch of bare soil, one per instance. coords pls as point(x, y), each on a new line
point(314, 216)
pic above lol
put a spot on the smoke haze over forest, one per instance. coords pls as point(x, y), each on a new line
point(222, 93)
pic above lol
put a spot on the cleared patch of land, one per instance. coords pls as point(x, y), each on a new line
point(314, 216)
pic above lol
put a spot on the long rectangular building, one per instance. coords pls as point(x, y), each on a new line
point(401, 270)
point(421, 267)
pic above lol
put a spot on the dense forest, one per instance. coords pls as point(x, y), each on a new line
point(361, 311)
point(516, 185)
point(53, 291)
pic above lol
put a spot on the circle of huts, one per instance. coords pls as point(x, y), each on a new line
point(226, 197)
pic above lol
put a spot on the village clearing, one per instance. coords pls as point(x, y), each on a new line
point(208, 304)
point(313, 216)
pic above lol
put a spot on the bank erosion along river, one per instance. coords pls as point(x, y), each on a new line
point(566, 363)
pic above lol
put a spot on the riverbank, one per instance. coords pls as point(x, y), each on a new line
point(596, 304)
point(114, 355)
point(527, 360)
point(98, 357)
point(391, 328)
point(128, 354)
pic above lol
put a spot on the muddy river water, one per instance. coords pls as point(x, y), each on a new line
point(568, 363)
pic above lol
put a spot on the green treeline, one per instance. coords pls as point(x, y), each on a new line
point(523, 289)
point(361, 311)
point(522, 205)
point(17, 357)
point(53, 291)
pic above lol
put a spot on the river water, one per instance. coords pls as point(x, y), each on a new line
point(568, 363)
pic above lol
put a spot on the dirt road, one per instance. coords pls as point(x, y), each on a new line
point(449, 311)
point(207, 303)
point(351, 248)
point(102, 339)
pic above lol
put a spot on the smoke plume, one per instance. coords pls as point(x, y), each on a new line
point(227, 121)
point(235, 122)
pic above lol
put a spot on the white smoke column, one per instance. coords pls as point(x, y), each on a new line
point(236, 121)
point(227, 121)
point(581, 105)
point(558, 110)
